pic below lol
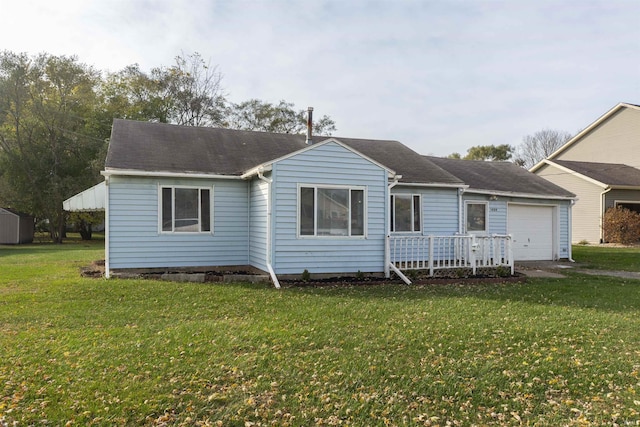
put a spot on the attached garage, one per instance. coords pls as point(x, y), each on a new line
point(532, 228)
point(508, 199)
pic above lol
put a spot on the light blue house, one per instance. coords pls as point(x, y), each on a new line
point(180, 196)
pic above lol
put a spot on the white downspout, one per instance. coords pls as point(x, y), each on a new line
point(107, 268)
point(602, 196)
point(571, 231)
point(460, 211)
point(387, 254)
point(272, 273)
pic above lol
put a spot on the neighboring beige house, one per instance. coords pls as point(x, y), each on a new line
point(601, 166)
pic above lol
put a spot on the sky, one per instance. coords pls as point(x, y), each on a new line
point(439, 76)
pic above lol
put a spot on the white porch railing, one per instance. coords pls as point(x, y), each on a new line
point(449, 252)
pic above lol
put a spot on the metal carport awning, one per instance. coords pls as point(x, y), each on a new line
point(90, 200)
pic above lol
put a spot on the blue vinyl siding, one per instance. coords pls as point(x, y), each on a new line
point(327, 164)
point(134, 240)
point(258, 224)
point(439, 209)
point(496, 212)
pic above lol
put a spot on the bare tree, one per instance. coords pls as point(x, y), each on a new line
point(539, 146)
point(196, 89)
point(186, 93)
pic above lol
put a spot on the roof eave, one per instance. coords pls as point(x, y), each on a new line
point(164, 174)
point(576, 174)
point(433, 184)
point(520, 195)
point(267, 166)
point(623, 187)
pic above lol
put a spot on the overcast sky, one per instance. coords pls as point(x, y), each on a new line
point(439, 76)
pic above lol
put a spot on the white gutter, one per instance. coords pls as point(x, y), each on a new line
point(161, 174)
point(523, 195)
point(272, 273)
point(431, 185)
point(107, 228)
point(387, 249)
point(256, 171)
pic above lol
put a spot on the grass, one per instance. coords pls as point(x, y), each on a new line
point(607, 257)
point(79, 351)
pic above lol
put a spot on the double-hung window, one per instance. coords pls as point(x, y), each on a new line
point(406, 213)
point(476, 217)
point(331, 211)
point(185, 210)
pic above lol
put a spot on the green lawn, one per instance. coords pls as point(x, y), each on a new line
point(608, 258)
point(129, 352)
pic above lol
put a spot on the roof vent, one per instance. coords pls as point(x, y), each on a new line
point(309, 125)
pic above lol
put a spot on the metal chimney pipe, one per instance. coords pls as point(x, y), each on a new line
point(309, 125)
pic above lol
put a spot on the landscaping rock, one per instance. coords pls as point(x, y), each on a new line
point(183, 277)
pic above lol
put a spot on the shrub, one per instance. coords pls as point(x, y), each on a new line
point(502, 271)
point(621, 225)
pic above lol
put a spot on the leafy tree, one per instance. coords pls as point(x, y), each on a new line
point(190, 93)
point(279, 118)
point(56, 115)
point(47, 144)
point(85, 221)
point(539, 146)
point(486, 152)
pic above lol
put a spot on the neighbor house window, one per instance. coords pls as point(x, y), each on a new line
point(476, 217)
point(632, 206)
point(185, 210)
point(405, 212)
point(331, 211)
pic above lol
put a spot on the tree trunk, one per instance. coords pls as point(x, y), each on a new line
point(85, 230)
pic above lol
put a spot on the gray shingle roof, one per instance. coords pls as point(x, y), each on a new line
point(505, 177)
point(159, 147)
point(606, 173)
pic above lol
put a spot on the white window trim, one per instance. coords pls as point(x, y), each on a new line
point(173, 209)
point(486, 216)
point(625, 202)
point(392, 204)
point(315, 216)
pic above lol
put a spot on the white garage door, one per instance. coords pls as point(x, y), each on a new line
point(532, 231)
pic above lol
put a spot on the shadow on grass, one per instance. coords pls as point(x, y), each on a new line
point(48, 247)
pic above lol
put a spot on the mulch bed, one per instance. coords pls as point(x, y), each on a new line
point(96, 270)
